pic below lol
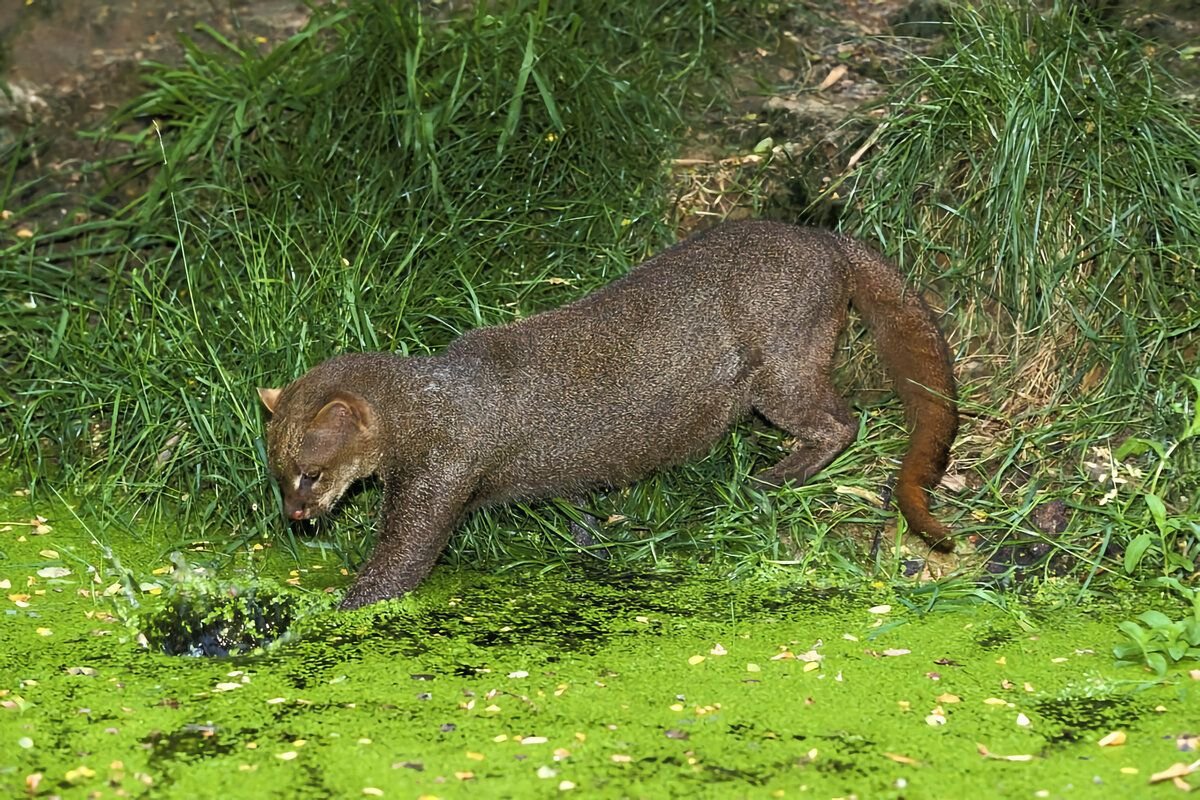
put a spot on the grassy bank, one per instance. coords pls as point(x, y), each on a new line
point(385, 180)
point(381, 181)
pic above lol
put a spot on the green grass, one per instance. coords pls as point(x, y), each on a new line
point(1043, 174)
point(379, 181)
point(384, 180)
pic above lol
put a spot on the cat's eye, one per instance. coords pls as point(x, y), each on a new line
point(312, 475)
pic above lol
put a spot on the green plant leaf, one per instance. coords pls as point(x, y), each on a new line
point(1186, 592)
point(1136, 446)
point(1130, 653)
point(1193, 429)
point(1134, 631)
point(1136, 550)
point(1156, 619)
point(1158, 511)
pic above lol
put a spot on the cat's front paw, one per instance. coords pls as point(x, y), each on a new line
point(365, 591)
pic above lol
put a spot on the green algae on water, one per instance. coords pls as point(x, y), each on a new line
point(604, 684)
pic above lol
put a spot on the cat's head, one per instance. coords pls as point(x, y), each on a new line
point(319, 441)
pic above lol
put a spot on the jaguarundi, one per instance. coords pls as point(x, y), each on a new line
point(648, 371)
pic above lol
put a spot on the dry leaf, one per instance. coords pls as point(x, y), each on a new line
point(983, 751)
point(953, 482)
point(863, 494)
point(80, 772)
point(835, 75)
point(1176, 770)
point(899, 759)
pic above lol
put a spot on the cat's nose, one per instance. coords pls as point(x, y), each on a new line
point(294, 510)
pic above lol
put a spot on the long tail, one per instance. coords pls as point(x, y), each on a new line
point(916, 356)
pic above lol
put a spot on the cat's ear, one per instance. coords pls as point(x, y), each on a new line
point(269, 397)
point(345, 409)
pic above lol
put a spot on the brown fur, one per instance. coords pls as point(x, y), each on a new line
point(647, 371)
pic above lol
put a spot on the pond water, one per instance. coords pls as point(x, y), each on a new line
point(518, 684)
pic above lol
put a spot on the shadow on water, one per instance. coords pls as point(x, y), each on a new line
point(464, 616)
point(1075, 719)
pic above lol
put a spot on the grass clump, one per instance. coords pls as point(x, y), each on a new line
point(1047, 165)
point(1045, 170)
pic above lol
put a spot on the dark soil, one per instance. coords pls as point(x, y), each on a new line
point(66, 66)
